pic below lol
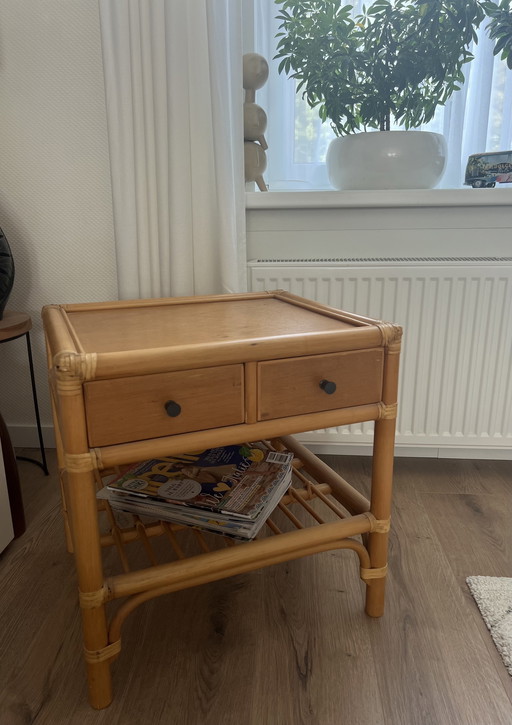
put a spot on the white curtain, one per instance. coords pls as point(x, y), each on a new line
point(476, 118)
point(173, 85)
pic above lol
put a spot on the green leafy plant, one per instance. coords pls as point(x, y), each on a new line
point(500, 28)
point(397, 60)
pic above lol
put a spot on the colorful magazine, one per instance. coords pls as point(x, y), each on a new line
point(226, 524)
point(234, 480)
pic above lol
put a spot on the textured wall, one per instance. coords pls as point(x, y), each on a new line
point(55, 195)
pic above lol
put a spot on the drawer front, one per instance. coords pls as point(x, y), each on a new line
point(130, 409)
point(297, 386)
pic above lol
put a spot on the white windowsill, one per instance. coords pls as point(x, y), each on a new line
point(381, 198)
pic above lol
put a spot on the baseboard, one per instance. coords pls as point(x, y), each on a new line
point(25, 436)
point(411, 451)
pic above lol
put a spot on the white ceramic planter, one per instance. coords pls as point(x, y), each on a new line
point(386, 160)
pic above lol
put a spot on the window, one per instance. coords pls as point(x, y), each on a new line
point(477, 118)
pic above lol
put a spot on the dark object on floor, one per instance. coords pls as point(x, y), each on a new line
point(6, 272)
point(12, 326)
point(13, 481)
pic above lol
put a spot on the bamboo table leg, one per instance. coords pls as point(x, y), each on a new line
point(382, 481)
point(380, 507)
point(81, 490)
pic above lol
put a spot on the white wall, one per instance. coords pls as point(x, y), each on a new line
point(55, 197)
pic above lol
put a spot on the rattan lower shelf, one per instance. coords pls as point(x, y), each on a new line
point(319, 512)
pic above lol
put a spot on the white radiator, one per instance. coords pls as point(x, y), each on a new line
point(455, 397)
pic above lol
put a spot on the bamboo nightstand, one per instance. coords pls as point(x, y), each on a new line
point(236, 368)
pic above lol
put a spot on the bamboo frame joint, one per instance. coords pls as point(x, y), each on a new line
point(67, 385)
point(90, 600)
point(76, 366)
point(80, 462)
point(377, 573)
point(378, 526)
point(93, 657)
point(387, 412)
point(391, 334)
point(96, 452)
point(394, 348)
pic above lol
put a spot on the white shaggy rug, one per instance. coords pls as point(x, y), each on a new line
point(493, 595)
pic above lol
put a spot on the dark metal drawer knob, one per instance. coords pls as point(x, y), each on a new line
point(328, 386)
point(172, 408)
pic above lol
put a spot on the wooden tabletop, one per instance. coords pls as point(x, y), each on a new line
point(14, 324)
point(248, 320)
point(139, 337)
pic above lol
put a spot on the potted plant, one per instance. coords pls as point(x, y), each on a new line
point(395, 60)
point(500, 28)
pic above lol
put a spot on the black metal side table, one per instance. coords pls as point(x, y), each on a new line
point(12, 326)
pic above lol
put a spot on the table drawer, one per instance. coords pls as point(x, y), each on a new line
point(296, 386)
point(130, 409)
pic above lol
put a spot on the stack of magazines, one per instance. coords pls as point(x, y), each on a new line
point(230, 490)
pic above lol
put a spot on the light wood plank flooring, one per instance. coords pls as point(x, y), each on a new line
point(289, 645)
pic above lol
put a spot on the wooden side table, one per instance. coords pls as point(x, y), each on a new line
point(14, 325)
point(237, 368)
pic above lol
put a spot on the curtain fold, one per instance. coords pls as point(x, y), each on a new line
point(173, 87)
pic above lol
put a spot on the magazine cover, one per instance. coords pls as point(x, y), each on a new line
point(229, 525)
point(233, 479)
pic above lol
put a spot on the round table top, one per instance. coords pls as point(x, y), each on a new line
point(14, 324)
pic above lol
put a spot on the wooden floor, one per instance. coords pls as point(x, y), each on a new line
point(289, 645)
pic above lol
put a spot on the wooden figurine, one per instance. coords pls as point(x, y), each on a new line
point(255, 74)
